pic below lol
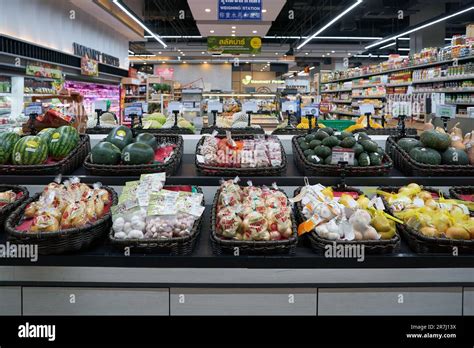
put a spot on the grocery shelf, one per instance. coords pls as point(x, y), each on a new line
point(447, 78)
point(447, 90)
point(460, 103)
point(410, 67)
point(346, 113)
point(369, 85)
point(338, 90)
point(401, 84)
point(340, 101)
point(187, 175)
point(369, 97)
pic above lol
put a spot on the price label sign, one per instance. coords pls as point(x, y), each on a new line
point(448, 111)
point(470, 111)
point(100, 105)
point(145, 107)
point(288, 106)
point(366, 109)
point(311, 110)
point(33, 108)
point(340, 154)
point(133, 109)
point(175, 106)
point(250, 106)
point(213, 105)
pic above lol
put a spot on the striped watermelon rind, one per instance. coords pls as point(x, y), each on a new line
point(4, 155)
point(30, 150)
point(7, 142)
point(46, 134)
point(63, 141)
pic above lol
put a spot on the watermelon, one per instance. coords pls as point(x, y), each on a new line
point(120, 136)
point(63, 141)
point(4, 155)
point(7, 142)
point(46, 134)
point(147, 138)
point(30, 150)
point(138, 153)
point(105, 153)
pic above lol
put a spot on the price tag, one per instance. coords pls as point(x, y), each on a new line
point(470, 111)
point(100, 105)
point(33, 108)
point(213, 105)
point(311, 110)
point(145, 107)
point(250, 106)
point(340, 154)
point(446, 111)
point(135, 108)
point(175, 106)
point(288, 106)
point(366, 109)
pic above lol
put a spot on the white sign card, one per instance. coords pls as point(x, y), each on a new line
point(446, 111)
point(311, 110)
point(33, 108)
point(213, 105)
point(340, 154)
point(288, 106)
point(366, 109)
point(250, 106)
point(133, 109)
point(175, 106)
point(100, 105)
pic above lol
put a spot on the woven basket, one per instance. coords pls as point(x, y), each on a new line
point(311, 169)
point(222, 246)
point(289, 131)
point(457, 192)
point(319, 244)
point(62, 241)
point(410, 167)
point(164, 131)
point(99, 130)
point(65, 166)
point(234, 131)
point(385, 131)
point(205, 169)
point(7, 209)
point(423, 244)
point(170, 167)
point(172, 246)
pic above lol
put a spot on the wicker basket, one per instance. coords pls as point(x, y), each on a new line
point(205, 169)
point(423, 244)
point(7, 209)
point(234, 131)
point(172, 246)
point(457, 192)
point(289, 131)
point(164, 131)
point(319, 244)
point(170, 167)
point(222, 246)
point(65, 166)
point(63, 241)
point(386, 131)
point(410, 167)
point(311, 169)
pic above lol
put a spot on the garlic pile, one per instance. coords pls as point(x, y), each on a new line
point(343, 218)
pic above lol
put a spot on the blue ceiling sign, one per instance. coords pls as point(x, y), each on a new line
point(239, 10)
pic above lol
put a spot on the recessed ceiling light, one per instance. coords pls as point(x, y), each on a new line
point(184, 62)
point(183, 54)
point(349, 54)
point(268, 62)
point(246, 62)
point(144, 63)
point(253, 55)
point(202, 52)
point(328, 54)
point(333, 51)
point(159, 52)
point(324, 55)
point(207, 10)
point(162, 62)
point(211, 31)
point(233, 27)
point(254, 31)
point(205, 62)
point(306, 53)
point(264, 11)
point(233, 34)
point(233, 31)
point(276, 53)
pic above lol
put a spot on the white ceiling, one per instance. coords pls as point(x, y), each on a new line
point(207, 21)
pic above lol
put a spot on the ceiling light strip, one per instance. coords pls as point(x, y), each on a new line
point(139, 22)
point(423, 26)
point(335, 19)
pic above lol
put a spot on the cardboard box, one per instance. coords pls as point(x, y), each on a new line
point(470, 30)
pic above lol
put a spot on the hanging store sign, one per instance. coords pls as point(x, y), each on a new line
point(89, 67)
point(249, 81)
point(165, 73)
point(38, 69)
point(234, 45)
point(239, 10)
point(101, 57)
